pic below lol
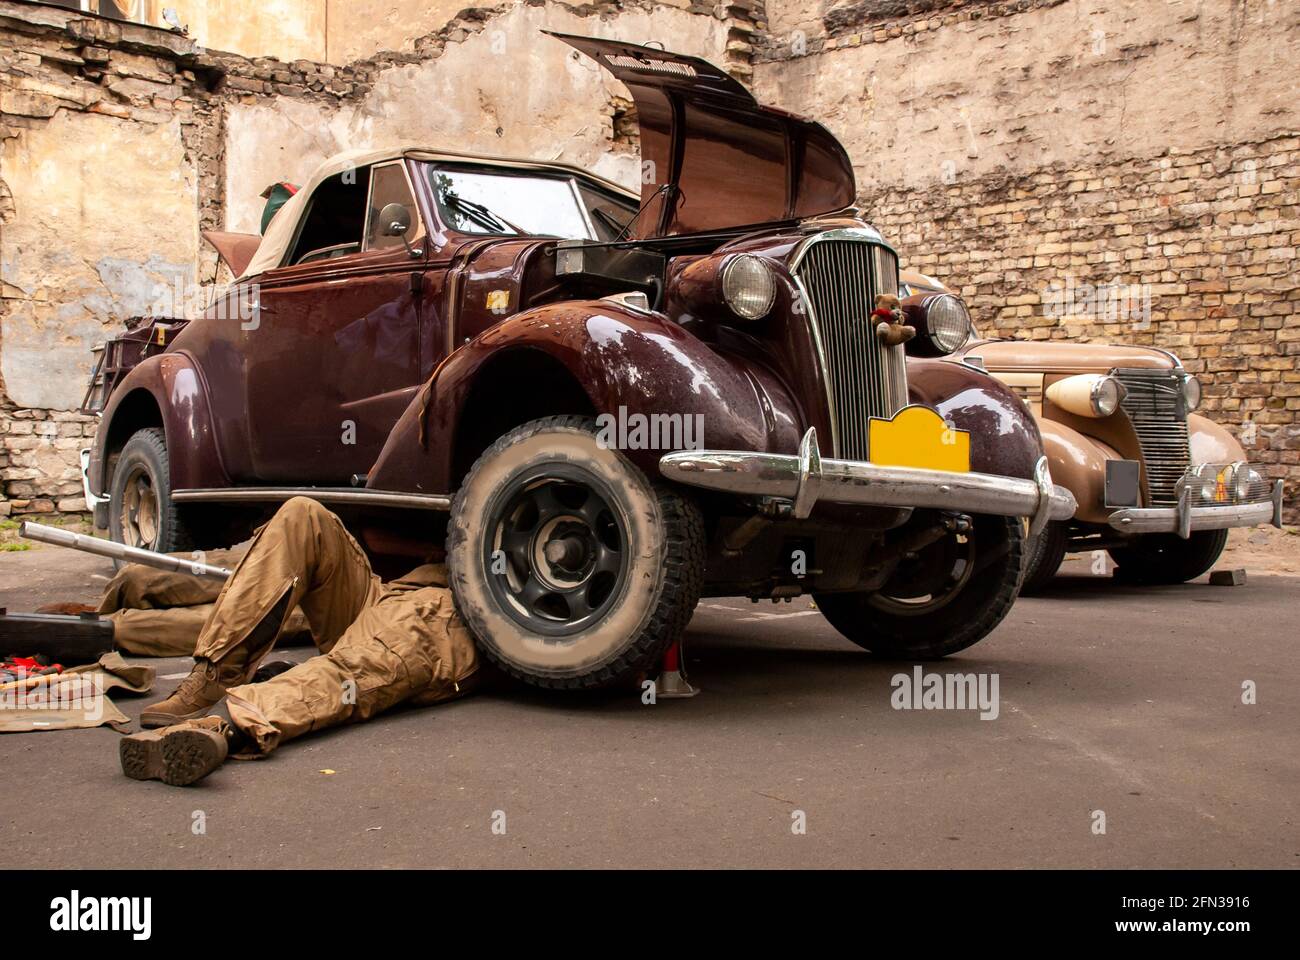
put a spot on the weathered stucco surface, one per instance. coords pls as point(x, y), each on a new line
point(531, 96)
point(119, 142)
point(326, 31)
point(287, 29)
point(1088, 77)
point(105, 217)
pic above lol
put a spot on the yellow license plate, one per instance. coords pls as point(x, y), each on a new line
point(918, 437)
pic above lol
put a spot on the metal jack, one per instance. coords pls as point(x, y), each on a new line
point(671, 684)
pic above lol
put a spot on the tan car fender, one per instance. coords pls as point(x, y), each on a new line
point(1078, 463)
point(1211, 443)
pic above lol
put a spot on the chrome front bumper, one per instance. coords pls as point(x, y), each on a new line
point(1185, 518)
point(807, 478)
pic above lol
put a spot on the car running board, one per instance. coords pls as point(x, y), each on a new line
point(344, 495)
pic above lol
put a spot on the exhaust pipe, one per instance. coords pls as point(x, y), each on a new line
point(119, 551)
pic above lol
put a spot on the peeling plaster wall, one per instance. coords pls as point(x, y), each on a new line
point(119, 142)
point(363, 28)
point(541, 100)
point(286, 29)
point(87, 248)
point(1021, 91)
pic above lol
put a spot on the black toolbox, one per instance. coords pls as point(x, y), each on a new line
point(70, 641)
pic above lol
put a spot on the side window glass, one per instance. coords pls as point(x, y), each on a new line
point(388, 186)
point(335, 219)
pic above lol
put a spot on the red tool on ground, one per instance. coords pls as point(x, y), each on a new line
point(23, 668)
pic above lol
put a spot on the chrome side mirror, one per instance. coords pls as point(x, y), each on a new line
point(395, 220)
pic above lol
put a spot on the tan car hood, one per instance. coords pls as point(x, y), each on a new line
point(712, 156)
point(1061, 357)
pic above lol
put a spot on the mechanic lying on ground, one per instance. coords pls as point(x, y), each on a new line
point(380, 645)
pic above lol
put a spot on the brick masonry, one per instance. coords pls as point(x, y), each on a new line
point(1207, 238)
point(1014, 148)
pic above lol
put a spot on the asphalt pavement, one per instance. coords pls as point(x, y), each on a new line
point(1119, 709)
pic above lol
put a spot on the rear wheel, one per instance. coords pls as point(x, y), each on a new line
point(1043, 556)
point(942, 599)
point(570, 566)
point(141, 512)
point(1157, 558)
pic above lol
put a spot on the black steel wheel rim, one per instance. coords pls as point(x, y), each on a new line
point(556, 554)
point(938, 576)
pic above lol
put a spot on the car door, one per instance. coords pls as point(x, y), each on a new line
point(334, 355)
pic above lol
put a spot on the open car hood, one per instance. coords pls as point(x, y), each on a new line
point(712, 157)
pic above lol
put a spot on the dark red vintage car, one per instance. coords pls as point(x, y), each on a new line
point(605, 405)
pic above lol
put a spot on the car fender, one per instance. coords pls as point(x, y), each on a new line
point(179, 393)
point(1005, 439)
point(627, 362)
point(1078, 463)
point(1211, 443)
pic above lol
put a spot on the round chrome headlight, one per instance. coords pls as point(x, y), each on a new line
point(1107, 392)
point(947, 322)
point(748, 286)
point(1243, 478)
point(1191, 392)
point(1208, 475)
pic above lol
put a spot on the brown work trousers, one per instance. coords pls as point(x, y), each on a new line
point(379, 644)
point(160, 613)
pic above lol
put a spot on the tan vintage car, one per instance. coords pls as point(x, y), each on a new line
point(1157, 486)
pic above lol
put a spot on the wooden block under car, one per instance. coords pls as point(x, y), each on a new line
point(1235, 577)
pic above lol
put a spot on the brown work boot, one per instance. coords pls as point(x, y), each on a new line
point(205, 686)
point(179, 754)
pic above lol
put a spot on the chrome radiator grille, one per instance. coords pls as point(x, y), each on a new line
point(841, 278)
point(1154, 405)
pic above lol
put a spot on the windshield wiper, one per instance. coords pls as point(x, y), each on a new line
point(480, 214)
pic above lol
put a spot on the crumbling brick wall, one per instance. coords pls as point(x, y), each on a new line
point(1082, 170)
point(114, 133)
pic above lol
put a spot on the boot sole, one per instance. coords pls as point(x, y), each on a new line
point(177, 757)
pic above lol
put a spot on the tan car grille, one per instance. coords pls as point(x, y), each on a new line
point(1155, 406)
point(864, 378)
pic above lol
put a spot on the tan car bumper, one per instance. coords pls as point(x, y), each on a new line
point(807, 479)
point(1185, 518)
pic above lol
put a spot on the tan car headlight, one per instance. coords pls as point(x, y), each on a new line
point(748, 286)
point(1087, 395)
point(1191, 392)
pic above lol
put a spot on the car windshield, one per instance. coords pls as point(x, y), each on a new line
point(474, 201)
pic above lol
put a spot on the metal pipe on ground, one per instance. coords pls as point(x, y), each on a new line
point(119, 551)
